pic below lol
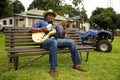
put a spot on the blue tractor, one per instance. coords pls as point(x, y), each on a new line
point(100, 39)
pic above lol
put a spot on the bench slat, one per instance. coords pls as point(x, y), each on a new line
point(18, 34)
point(36, 49)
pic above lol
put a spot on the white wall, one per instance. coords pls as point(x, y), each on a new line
point(84, 27)
point(7, 20)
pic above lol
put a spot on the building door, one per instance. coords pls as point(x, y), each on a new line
point(16, 23)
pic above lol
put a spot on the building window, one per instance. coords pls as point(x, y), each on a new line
point(4, 22)
point(21, 19)
point(10, 21)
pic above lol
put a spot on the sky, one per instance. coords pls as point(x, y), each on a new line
point(90, 5)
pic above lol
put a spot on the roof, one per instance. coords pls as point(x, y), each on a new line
point(38, 14)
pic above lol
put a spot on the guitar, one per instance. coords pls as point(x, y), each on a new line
point(40, 37)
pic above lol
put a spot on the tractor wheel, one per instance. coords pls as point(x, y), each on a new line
point(104, 46)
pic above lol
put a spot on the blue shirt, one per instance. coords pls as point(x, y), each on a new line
point(44, 23)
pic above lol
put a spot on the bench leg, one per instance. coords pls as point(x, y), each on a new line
point(80, 56)
point(10, 60)
point(15, 62)
point(87, 55)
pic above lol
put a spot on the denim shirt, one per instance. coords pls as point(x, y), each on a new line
point(44, 23)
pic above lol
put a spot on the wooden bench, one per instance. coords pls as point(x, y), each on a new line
point(18, 42)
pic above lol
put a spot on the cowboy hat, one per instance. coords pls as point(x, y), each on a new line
point(49, 12)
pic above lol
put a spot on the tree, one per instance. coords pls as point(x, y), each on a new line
point(68, 9)
point(18, 7)
point(104, 17)
point(76, 2)
point(80, 6)
point(55, 5)
point(97, 11)
point(45, 4)
point(117, 21)
point(5, 8)
point(84, 15)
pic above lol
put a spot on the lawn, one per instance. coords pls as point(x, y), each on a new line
point(101, 66)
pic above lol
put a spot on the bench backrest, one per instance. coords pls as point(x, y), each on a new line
point(18, 37)
point(21, 36)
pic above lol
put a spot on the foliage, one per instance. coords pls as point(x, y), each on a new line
point(104, 17)
point(68, 9)
point(83, 14)
point(56, 5)
point(76, 2)
point(117, 21)
point(45, 4)
point(6, 8)
point(18, 7)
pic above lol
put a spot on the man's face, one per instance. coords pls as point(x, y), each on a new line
point(50, 17)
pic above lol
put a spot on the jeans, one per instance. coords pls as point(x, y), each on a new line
point(52, 44)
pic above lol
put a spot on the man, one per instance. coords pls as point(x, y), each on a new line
point(53, 42)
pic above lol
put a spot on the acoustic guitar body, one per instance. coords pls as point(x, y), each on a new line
point(40, 37)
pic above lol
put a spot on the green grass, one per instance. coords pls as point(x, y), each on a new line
point(101, 66)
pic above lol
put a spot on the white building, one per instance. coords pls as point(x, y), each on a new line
point(84, 27)
point(7, 21)
point(27, 19)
